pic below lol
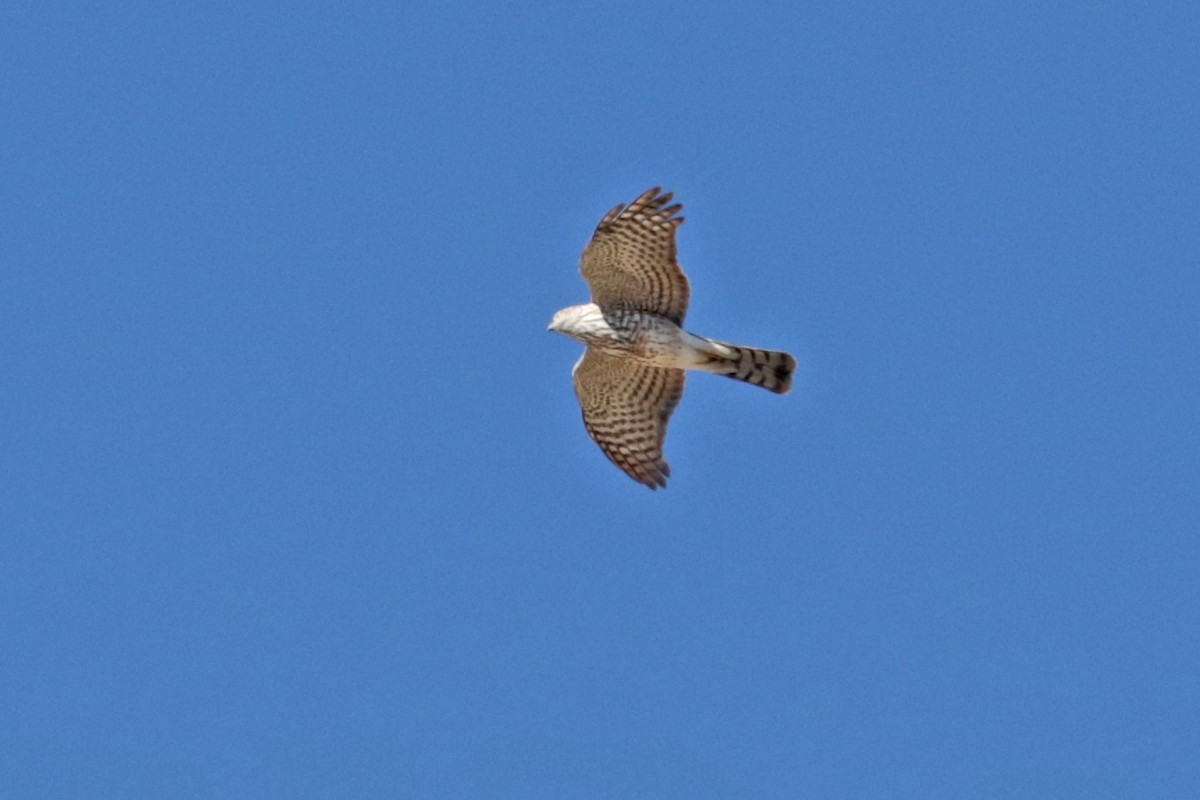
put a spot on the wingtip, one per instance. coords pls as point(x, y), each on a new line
point(658, 479)
point(653, 477)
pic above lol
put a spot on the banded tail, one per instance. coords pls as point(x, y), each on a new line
point(770, 369)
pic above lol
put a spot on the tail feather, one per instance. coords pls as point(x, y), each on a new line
point(770, 369)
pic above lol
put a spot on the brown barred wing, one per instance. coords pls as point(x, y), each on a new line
point(626, 406)
point(630, 262)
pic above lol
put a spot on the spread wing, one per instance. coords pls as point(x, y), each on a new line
point(630, 262)
point(626, 406)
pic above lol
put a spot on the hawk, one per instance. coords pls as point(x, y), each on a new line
point(631, 375)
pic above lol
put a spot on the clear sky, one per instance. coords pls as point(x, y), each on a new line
point(295, 501)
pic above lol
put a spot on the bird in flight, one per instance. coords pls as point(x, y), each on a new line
point(631, 375)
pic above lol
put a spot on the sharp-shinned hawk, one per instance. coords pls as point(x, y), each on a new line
point(631, 375)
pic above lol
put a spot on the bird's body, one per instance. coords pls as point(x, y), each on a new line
point(631, 376)
point(640, 335)
point(656, 341)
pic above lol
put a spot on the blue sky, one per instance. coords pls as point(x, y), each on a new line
point(294, 493)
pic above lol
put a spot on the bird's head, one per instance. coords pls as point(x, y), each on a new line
point(575, 319)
